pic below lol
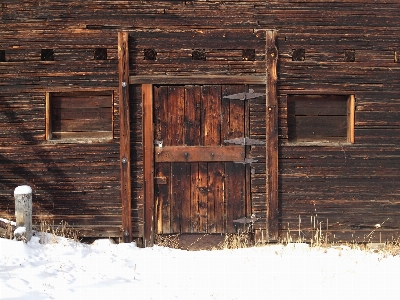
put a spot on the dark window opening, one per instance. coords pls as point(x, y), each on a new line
point(47, 55)
point(150, 54)
point(79, 115)
point(2, 55)
point(320, 118)
point(249, 54)
point(349, 55)
point(298, 55)
point(100, 54)
point(199, 54)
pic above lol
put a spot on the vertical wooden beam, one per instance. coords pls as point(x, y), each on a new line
point(125, 160)
point(350, 122)
point(48, 118)
point(148, 164)
point(272, 136)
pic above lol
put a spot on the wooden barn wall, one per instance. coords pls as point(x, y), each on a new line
point(350, 187)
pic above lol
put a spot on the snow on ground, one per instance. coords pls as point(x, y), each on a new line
point(69, 270)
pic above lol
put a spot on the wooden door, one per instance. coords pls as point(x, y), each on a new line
point(201, 183)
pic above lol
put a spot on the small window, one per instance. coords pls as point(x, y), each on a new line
point(79, 115)
point(320, 118)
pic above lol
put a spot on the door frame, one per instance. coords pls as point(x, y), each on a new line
point(147, 82)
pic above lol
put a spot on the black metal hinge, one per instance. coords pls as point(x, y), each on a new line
point(244, 96)
point(244, 141)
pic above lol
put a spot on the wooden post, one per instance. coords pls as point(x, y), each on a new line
point(148, 164)
point(125, 149)
point(272, 136)
point(23, 209)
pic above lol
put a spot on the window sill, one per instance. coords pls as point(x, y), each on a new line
point(319, 143)
point(81, 141)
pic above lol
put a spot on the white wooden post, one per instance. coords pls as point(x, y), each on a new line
point(23, 209)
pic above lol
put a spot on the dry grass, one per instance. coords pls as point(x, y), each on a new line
point(237, 240)
point(46, 229)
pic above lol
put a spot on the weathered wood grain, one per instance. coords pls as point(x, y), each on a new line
point(74, 179)
point(125, 157)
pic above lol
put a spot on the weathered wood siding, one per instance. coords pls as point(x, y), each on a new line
point(351, 187)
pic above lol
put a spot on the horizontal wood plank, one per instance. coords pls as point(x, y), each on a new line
point(199, 154)
point(200, 79)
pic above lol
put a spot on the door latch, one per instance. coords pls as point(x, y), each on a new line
point(158, 143)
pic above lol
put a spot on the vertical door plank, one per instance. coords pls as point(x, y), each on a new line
point(236, 112)
point(125, 159)
point(162, 195)
point(247, 173)
point(148, 164)
point(177, 179)
point(192, 115)
point(192, 137)
point(175, 137)
point(176, 113)
point(235, 192)
point(211, 136)
point(203, 191)
point(235, 188)
point(194, 199)
point(272, 136)
point(237, 124)
point(163, 192)
point(211, 115)
point(216, 197)
point(185, 200)
point(160, 111)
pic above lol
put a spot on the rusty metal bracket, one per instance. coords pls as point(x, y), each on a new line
point(245, 96)
point(246, 161)
point(245, 141)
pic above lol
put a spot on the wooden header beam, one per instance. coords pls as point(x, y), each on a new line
point(125, 149)
point(196, 79)
point(272, 136)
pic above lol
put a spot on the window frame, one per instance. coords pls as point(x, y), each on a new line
point(350, 103)
point(49, 117)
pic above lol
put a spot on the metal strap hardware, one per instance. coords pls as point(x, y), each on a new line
point(244, 96)
point(244, 141)
point(246, 161)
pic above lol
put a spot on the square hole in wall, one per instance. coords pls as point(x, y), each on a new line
point(349, 55)
point(2, 55)
point(199, 54)
point(100, 54)
point(249, 54)
point(320, 118)
point(298, 54)
point(150, 54)
point(47, 55)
